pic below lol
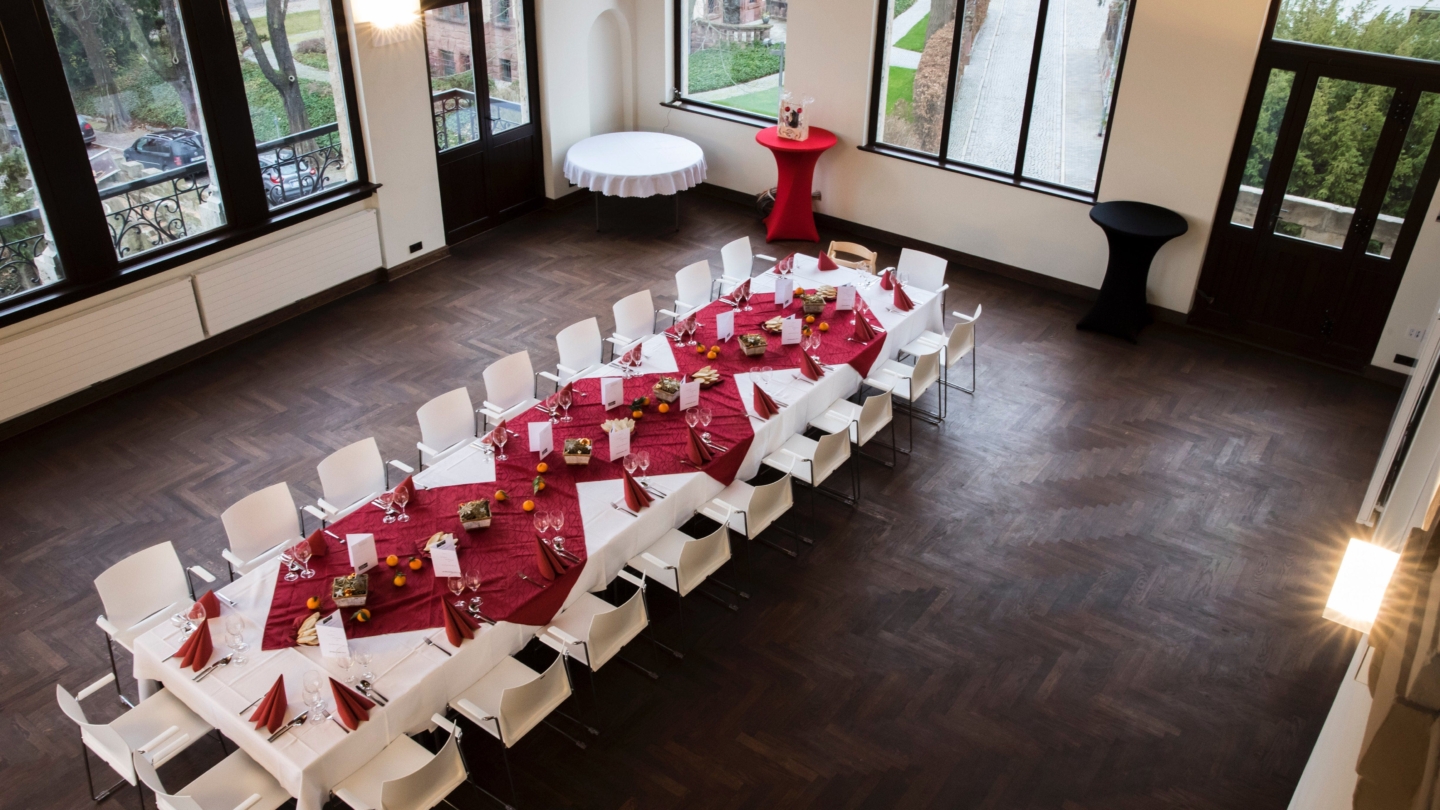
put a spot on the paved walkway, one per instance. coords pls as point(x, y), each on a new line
point(302, 70)
point(899, 57)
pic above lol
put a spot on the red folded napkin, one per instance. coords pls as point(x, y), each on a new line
point(809, 367)
point(551, 565)
point(864, 332)
point(352, 707)
point(695, 448)
point(318, 546)
point(196, 651)
point(635, 495)
point(458, 623)
point(212, 604)
point(827, 263)
point(271, 711)
point(886, 283)
point(902, 301)
point(632, 357)
point(765, 407)
point(408, 486)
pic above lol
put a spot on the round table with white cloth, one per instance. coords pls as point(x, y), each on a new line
point(635, 164)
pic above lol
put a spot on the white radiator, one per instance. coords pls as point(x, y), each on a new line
point(280, 274)
point(54, 361)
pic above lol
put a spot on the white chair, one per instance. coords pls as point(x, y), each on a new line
point(751, 507)
point(237, 783)
point(512, 699)
point(863, 258)
point(595, 630)
point(683, 562)
point(259, 526)
point(908, 384)
point(156, 729)
point(952, 350)
point(737, 262)
point(813, 461)
point(581, 350)
point(924, 271)
point(509, 388)
point(447, 423)
point(862, 422)
point(140, 592)
point(405, 776)
point(351, 476)
point(693, 286)
point(634, 320)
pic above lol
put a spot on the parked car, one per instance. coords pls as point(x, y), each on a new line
point(285, 178)
point(167, 149)
point(86, 131)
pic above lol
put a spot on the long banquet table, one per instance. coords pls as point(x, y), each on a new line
point(419, 679)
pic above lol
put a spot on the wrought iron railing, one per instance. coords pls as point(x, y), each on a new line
point(22, 239)
point(299, 165)
point(151, 211)
point(457, 118)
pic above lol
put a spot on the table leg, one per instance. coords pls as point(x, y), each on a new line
point(793, 217)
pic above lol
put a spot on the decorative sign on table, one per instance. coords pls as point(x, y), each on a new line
point(724, 325)
point(362, 552)
point(612, 392)
point(794, 123)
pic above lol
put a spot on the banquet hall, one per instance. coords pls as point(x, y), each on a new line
point(719, 404)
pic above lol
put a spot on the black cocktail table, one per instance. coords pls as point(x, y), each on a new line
point(1136, 231)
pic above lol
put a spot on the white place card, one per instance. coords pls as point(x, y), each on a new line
point(689, 395)
point(445, 558)
point(612, 392)
point(789, 331)
point(619, 444)
point(362, 552)
point(844, 298)
point(784, 291)
point(725, 326)
point(331, 632)
point(542, 438)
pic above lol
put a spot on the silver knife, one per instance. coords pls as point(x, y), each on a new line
point(299, 718)
point(373, 693)
point(200, 676)
point(227, 600)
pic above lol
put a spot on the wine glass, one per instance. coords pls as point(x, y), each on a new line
point(631, 463)
point(457, 587)
point(194, 618)
point(502, 435)
point(472, 581)
point(387, 501)
point(764, 374)
point(402, 497)
point(542, 522)
point(316, 703)
point(643, 459)
point(312, 680)
point(705, 417)
point(745, 298)
point(235, 626)
point(365, 659)
point(692, 325)
point(557, 522)
point(566, 399)
point(692, 417)
point(302, 554)
point(347, 665)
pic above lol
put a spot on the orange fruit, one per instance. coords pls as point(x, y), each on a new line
point(416, 564)
point(714, 348)
point(712, 355)
point(392, 561)
point(809, 319)
point(644, 400)
point(699, 349)
point(824, 327)
point(540, 487)
point(399, 580)
point(500, 495)
point(313, 603)
point(362, 615)
point(542, 467)
point(636, 414)
point(528, 506)
point(664, 408)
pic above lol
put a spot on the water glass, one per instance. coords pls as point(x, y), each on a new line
point(643, 460)
point(316, 703)
point(631, 463)
point(402, 497)
point(387, 500)
point(457, 587)
point(557, 522)
point(502, 435)
point(302, 554)
point(313, 680)
point(566, 399)
point(472, 582)
point(542, 522)
point(692, 417)
point(237, 643)
point(365, 659)
point(347, 665)
point(705, 417)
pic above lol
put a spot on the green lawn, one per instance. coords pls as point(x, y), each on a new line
point(901, 6)
point(914, 40)
point(763, 102)
point(296, 22)
point(901, 85)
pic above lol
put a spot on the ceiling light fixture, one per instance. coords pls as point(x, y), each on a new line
point(390, 21)
point(1360, 585)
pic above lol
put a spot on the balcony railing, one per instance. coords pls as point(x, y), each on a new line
point(151, 211)
point(22, 239)
point(457, 119)
point(299, 165)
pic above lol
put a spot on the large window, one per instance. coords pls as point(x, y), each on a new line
point(730, 55)
point(27, 255)
point(1016, 90)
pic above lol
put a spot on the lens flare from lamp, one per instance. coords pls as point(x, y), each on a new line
point(390, 21)
point(1360, 585)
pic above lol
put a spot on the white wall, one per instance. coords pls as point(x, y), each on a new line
point(606, 61)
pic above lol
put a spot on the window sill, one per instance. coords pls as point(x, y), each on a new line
point(28, 305)
point(723, 113)
point(970, 171)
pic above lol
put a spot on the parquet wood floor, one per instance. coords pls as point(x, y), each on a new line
point(1098, 585)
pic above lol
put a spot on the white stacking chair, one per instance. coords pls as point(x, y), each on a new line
point(924, 271)
point(511, 699)
point(856, 257)
point(140, 592)
point(693, 287)
point(581, 350)
point(862, 422)
point(594, 631)
point(737, 263)
point(813, 461)
point(351, 476)
point(259, 526)
point(682, 563)
point(634, 320)
point(447, 423)
point(952, 350)
point(237, 783)
point(509, 388)
point(752, 508)
point(908, 384)
point(405, 776)
point(156, 729)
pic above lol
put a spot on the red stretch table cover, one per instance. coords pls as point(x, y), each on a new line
point(795, 162)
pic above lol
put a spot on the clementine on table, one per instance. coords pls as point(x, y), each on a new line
point(528, 506)
point(362, 615)
point(313, 603)
point(416, 564)
point(714, 348)
point(542, 467)
point(664, 408)
point(711, 355)
point(824, 327)
point(399, 580)
point(809, 319)
point(636, 414)
point(700, 349)
point(500, 495)
point(392, 561)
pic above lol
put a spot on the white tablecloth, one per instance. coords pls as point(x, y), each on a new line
point(418, 679)
point(635, 164)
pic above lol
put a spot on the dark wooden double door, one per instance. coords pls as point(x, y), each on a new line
point(1329, 182)
point(484, 106)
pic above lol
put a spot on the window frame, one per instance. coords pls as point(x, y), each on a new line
point(43, 107)
point(678, 100)
point(1015, 177)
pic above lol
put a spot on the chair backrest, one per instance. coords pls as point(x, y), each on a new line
point(147, 774)
point(700, 557)
point(447, 419)
point(692, 286)
point(261, 521)
point(509, 380)
point(353, 472)
point(864, 258)
point(927, 372)
point(962, 339)
point(418, 790)
point(141, 584)
point(635, 316)
point(874, 414)
point(830, 452)
point(580, 345)
point(523, 707)
point(736, 259)
point(768, 502)
point(105, 741)
point(921, 269)
point(613, 629)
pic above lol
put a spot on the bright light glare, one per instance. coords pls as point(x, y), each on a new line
point(1360, 585)
point(386, 14)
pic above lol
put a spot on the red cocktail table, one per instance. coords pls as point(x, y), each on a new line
point(795, 160)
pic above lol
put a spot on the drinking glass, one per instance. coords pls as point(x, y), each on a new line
point(316, 703)
point(631, 463)
point(387, 500)
point(643, 459)
point(402, 497)
point(457, 587)
point(691, 327)
point(764, 373)
point(472, 581)
point(235, 626)
point(194, 617)
point(237, 643)
point(502, 435)
point(302, 554)
point(566, 399)
point(745, 299)
point(365, 659)
point(705, 417)
point(692, 417)
point(557, 522)
point(347, 665)
point(313, 680)
point(541, 521)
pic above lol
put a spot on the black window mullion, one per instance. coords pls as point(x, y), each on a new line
point(949, 111)
point(681, 32)
point(1030, 89)
point(352, 97)
point(877, 77)
point(44, 115)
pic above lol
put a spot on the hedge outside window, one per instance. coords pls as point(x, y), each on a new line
point(730, 54)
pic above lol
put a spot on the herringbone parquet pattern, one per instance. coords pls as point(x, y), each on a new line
point(1098, 585)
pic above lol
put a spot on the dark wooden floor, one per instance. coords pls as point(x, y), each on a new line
point(1097, 585)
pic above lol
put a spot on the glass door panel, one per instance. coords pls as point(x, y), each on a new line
point(1398, 195)
point(505, 66)
point(1262, 147)
point(450, 50)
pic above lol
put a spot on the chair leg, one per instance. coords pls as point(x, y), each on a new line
point(715, 597)
point(730, 588)
point(578, 743)
point(110, 648)
point(89, 781)
point(650, 628)
point(654, 676)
